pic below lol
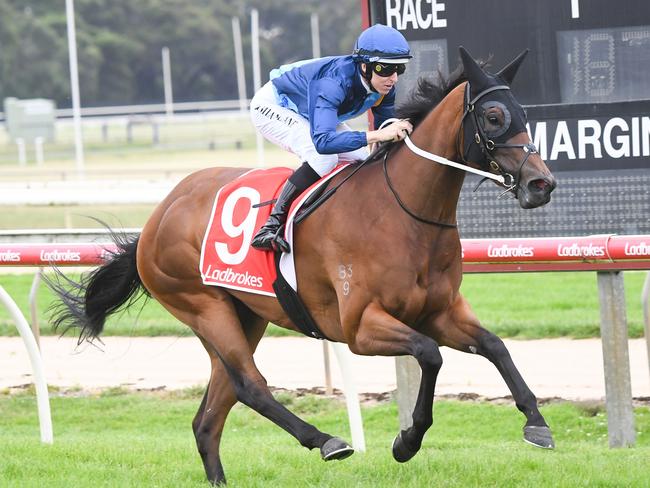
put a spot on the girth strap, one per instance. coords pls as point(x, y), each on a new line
point(293, 306)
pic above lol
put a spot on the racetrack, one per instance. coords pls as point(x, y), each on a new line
point(564, 368)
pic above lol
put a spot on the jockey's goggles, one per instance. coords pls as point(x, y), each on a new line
point(387, 69)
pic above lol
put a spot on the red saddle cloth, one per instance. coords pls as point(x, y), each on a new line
point(227, 258)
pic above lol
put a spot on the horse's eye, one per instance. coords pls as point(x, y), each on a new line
point(493, 119)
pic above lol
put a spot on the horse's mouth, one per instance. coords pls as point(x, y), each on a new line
point(536, 193)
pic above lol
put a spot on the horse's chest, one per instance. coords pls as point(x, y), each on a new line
point(439, 296)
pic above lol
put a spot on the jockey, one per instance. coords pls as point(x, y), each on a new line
point(303, 108)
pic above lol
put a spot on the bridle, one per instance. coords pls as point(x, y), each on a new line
point(486, 145)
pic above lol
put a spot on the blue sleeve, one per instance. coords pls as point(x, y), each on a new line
point(325, 97)
point(385, 110)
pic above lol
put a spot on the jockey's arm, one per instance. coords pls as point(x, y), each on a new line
point(326, 95)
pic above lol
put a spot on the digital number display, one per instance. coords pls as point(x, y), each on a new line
point(429, 58)
point(604, 65)
point(585, 81)
point(586, 87)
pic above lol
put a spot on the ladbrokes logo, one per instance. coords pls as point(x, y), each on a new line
point(640, 249)
point(506, 251)
point(234, 278)
point(9, 256)
point(57, 255)
point(576, 251)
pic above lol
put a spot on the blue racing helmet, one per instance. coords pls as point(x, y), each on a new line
point(382, 44)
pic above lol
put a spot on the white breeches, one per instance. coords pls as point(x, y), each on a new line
point(290, 131)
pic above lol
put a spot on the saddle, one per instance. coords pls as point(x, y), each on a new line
point(227, 258)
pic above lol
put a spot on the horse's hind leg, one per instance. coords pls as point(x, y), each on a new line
point(208, 423)
point(462, 331)
point(226, 337)
point(218, 399)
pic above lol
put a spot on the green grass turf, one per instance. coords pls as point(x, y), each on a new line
point(145, 439)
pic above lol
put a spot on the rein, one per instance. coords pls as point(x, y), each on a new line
point(487, 146)
point(404, 207)
point(328, 193)
point(440, 160)
point(447, 162)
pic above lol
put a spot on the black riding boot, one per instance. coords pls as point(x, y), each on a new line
point(269, 237)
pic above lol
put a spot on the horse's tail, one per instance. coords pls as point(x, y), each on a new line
point(86, 304)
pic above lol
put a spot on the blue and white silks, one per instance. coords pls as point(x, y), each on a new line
point(326, 92)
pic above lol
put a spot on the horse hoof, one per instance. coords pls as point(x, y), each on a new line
point(335, 448)
point(401, 452)
point(539, 436)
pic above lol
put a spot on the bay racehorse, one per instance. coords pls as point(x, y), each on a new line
point(392, 227)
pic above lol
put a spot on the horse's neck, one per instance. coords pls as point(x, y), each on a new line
point(431, 189)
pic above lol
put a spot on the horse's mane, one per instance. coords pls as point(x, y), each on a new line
point(428, 93)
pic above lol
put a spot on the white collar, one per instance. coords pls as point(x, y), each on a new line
point(365, 85)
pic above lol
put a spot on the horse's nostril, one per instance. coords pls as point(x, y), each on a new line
point(540, 184)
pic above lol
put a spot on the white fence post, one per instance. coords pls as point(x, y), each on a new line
point(351, 396)
point(616, 361)
point(22, 152)
point(239, 64)
point(257, 77)
point(646, 315)
point(38, 150)
point(167, 82)
point(33, 291)
point(315, 36)
point(74, 87)
point(42, 397)
point(328, 370)
point(407, 374)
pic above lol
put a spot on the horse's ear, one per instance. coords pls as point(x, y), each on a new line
point(473, 71)
point(470, 66)
point(508, 73)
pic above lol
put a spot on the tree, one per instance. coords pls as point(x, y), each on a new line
point(119, 46)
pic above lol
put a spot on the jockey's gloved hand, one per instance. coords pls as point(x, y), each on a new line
point(394, 132)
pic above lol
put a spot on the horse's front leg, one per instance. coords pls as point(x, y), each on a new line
point(461, 330)
point(380, 334)
point(536, 430)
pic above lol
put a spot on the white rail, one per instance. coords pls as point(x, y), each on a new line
point(41, 236)
point(42, 396)
point(207, 106)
